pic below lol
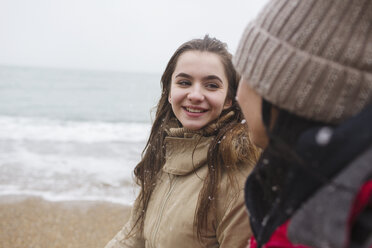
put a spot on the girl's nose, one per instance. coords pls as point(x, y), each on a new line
point(196, 94)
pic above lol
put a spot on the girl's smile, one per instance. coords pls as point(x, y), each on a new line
point(198, 89)
point(194, 111)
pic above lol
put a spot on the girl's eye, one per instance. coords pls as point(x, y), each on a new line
point(184, 83)
point(213, 85)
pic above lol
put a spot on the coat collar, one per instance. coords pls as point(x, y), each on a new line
point(175, 131)
point(187, 150)
point(185, 155)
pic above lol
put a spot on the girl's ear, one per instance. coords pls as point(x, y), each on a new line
point(228, 104)
point(170, 99)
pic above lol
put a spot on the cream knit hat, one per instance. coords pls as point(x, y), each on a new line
point(312, 58)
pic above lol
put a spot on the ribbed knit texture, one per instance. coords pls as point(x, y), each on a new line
point(311, 57)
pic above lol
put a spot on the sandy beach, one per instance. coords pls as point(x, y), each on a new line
point(35, 223)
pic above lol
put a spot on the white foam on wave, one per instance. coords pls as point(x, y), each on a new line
point(21, 128)
point(56, 177)
point(62, 161)
point(126, 199)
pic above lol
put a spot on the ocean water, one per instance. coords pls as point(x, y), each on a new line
point(73, 135)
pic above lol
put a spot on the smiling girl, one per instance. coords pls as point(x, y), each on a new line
point(196, 159)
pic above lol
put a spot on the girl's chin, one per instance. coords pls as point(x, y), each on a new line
point(194, 126)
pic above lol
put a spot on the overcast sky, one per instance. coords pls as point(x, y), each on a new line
point(124, 35)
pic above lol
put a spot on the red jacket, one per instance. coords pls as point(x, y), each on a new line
point(279, 238)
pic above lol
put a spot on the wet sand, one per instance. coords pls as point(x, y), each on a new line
point(35, 223)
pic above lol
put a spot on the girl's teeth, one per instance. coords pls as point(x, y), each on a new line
point(194, 110)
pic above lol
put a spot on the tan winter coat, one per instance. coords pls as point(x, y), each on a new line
point(171, 210)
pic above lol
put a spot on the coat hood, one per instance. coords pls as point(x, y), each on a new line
point(325, 152)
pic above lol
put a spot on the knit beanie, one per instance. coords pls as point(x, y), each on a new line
point(312, 58)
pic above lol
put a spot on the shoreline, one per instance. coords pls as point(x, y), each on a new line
point(30, 221)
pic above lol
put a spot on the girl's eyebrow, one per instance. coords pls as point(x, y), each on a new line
point(213, 77)
point(210, 77)
point(181, 74)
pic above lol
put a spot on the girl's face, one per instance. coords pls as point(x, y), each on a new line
point(251, 103)
point(198, 89)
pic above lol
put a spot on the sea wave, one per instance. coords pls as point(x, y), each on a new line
point(70, 160)
point(41, 129)
point(125, 197)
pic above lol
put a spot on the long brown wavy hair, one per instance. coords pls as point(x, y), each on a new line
point(230, 147)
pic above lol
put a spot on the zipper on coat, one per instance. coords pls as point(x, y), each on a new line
point(172, 183)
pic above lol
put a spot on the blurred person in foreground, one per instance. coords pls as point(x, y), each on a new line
point(306, 93)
